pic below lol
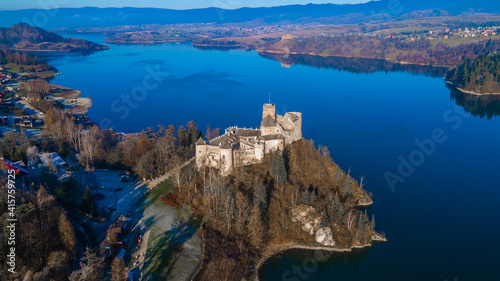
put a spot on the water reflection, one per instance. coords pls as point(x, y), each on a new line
point(480, 106)
point(314, 262)
point(354, 65)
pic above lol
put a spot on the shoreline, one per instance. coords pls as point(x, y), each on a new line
point(339, 56)
point(276, 249)
point(471, 92)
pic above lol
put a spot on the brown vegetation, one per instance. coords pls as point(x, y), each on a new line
point(250, 209)
point(45, 244)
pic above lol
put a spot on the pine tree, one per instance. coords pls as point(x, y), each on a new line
point(346, 188)
point(87, 201)
point(325, 222)
point(278, 167)
point(306, 198)
point(260, 196)
point(373, 222)
point(337, 177)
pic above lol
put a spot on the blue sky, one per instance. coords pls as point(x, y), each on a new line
point(172, 4)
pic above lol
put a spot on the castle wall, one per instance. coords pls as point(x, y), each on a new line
point(213, 156)
point(247, 147)
point(201, 154)
point(226, 156)
point(271, 145)
point(264, 131)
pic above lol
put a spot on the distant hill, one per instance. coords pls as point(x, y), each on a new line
point(311, 13)
point(24, 37)
point(480, 75)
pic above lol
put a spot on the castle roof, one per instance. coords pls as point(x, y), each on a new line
point(272, 137)
point(247, 132)
point(200, 141)
point(225, 145)
point(293, 116)
point(268, 122)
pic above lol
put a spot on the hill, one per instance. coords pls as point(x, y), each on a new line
point(24, 37)
point(302, 14)
point(480, 75)
point(292, 199)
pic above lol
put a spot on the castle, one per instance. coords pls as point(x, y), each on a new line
point(242, 146)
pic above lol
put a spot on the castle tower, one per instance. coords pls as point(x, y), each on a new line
point(201, 152)
point(259, 150)
point(226, 158)
point(269, 109)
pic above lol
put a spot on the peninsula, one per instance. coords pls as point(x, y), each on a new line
point(480, 76)
point(23, 37)
point(262, 191)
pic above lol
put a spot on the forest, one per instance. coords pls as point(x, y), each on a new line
point(419, 51)
point(45, 241)
point(480, 75)
point(256, 207)
point(22, 36)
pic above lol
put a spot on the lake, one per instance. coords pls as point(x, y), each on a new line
point(439, 216)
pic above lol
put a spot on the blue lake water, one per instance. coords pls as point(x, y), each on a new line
point(441, 222)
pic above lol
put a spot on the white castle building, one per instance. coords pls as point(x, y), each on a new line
point(242, 146)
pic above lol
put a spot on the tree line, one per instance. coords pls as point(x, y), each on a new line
point(418, 51)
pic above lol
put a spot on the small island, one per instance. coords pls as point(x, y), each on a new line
point(480, 76)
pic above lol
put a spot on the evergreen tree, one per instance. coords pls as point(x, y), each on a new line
point(87, 201)
point(373, 222)
point(278, 167)
point(346, 188)
point(260, 196)
point(306, 198)
point(337, 177)
point(325, 222)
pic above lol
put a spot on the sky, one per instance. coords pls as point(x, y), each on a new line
point(171, 4)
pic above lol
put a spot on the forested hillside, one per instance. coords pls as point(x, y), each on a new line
point(296, 197)
point(480, 75)
point(419, 51)
point(22, 36)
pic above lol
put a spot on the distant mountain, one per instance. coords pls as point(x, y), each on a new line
point(24, 37)
point(322, 13)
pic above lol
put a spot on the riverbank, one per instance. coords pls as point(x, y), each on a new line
point(276, 249)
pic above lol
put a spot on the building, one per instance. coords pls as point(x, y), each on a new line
point(242, 146)
point(51, 158)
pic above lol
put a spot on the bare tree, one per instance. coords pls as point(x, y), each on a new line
point(90, 145)
point(175, 167)
point(91, 268)
point(118, 270)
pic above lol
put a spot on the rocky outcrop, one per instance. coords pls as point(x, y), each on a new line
point(324, 236)
point(310, 222)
